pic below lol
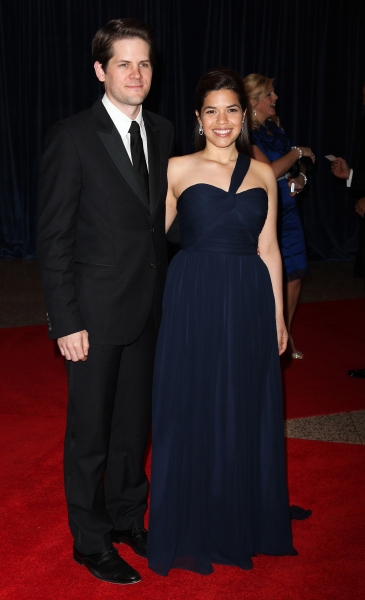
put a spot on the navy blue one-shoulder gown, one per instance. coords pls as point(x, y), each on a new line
point(218, 484)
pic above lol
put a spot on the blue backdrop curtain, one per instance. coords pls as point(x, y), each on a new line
point(315, 50)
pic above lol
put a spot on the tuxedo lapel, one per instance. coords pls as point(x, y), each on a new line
point(113, 144)
point(154, 159)
point(116, 149)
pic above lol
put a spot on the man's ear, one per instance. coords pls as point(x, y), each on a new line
point(99, 71)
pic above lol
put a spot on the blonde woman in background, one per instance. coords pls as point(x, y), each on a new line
point(270, 144)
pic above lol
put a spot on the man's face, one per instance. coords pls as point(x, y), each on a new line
point(128, 75)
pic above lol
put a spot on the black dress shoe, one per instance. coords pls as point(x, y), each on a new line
point(108, 566)
point(298, 513)
point(135, 538)
point(357, 373)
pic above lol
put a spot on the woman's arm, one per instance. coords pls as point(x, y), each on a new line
point(270, 254)
point(171, 200)
point(283, 164)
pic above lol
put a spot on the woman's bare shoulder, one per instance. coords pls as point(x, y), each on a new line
point(179, 166)
point(182, 171)
point(257, 165)
point(181, 161)
point(262, 170)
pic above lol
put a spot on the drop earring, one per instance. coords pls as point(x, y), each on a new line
point(201, 129)
point(254, 112)
point(243, 120)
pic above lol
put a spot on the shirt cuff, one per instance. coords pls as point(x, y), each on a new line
point(349, 180)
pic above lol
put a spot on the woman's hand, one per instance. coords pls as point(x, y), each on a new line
point(307, 152)
point(282, 334)
point(299, 184)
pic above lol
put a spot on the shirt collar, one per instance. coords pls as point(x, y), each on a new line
point(120, 120)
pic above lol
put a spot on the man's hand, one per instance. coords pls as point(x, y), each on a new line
point(75, 346)
point(340, 168)
point(360, 207)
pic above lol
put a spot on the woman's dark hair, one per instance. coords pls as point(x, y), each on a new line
point(119, 29)
point(221, 79)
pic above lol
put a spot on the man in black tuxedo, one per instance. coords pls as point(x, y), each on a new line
point(356, 181)
point(102, 255)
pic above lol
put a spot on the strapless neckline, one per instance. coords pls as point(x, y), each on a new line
point(219, 189)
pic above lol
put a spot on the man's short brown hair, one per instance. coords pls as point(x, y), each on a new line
point(119, 29)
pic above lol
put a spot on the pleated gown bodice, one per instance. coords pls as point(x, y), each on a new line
point(214, 220)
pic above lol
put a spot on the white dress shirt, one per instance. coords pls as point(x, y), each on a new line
point(349, 180)
point(123, 123)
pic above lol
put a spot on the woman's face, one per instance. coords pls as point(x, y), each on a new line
point(266, 108)
point(221, 117)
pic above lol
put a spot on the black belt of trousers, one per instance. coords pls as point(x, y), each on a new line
point(138, 157)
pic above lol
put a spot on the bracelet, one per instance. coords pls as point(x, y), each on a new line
point(299, 150)
point(304, 177)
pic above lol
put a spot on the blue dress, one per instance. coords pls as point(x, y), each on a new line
point(274, 143)
point(218, 483)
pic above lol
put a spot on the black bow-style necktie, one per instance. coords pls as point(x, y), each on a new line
point(138, 157)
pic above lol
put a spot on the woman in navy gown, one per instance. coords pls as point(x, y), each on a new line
point(218, 483)
point(270, 144)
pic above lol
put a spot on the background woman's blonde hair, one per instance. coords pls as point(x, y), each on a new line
point(256, 88)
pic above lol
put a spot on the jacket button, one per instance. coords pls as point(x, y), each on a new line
point(153, 230)
point(49, 328)
point(153, 265)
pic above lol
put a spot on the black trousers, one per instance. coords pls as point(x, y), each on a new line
point(108, 425)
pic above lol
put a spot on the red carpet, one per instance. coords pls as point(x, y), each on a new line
point(37, 561)
point(33, 373)
point(326, 477)
point(332, 337)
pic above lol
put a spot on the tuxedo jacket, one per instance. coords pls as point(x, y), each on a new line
point(358, 180)
point(101, 244)
point(361, 163)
